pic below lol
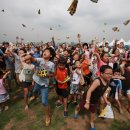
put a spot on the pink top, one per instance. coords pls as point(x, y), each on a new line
point(2, 88)
point(101, 63)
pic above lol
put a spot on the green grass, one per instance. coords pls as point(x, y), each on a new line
point(120, 125)
point(35, 118)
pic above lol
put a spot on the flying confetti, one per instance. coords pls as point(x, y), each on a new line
point(126, 22)
point(73, 6)
point(95, 1)
point(5, 34)
point(51, 28)
point(2, 10)
point(115, 29)
point(24, 25)
point(39, 12)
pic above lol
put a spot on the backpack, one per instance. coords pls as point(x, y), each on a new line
point(26, 75)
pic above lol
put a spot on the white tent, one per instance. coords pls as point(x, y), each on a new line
point(121, 40)
point(112, 43)
point(100, 44)
point(127, 43)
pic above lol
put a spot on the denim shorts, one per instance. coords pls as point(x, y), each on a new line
point(44, 93)
point(74, 88)
point(128, 91)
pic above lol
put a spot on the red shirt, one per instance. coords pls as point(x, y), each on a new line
point(61, 74)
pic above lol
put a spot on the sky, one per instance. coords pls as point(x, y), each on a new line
point(88, 21)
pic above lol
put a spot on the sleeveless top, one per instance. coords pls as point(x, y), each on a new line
point(98, 92)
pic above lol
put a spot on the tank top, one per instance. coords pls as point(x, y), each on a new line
point(98, 92)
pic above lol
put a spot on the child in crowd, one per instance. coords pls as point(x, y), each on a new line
point(61, 76)
point(94, 93)
point(26, 79)
point(44, 71)
point(9, 61)
point(116, 87)
point(74, 86)
point(4, 96)
point(92, 96)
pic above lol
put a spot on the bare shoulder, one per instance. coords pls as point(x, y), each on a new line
point(97, 82)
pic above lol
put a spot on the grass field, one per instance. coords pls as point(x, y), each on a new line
point(17, 119)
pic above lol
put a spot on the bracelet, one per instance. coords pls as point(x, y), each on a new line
point(87, 101)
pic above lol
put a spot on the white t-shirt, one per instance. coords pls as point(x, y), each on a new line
point(76, 77)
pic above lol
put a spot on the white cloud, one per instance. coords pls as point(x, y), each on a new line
point(88, 20)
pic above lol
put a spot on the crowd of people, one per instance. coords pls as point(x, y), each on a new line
point(88, 75)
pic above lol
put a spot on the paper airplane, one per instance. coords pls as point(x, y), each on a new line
point(51, 28)
point(2, 10)
point(126, 22)
point(39, 12)
point(115, 29)
point(95, 1)
point(24, 25)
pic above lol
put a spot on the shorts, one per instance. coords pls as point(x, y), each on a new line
point(26, 84)
point(10, 75)
point(128, 91)
point(87, 78)
point(74, 88)
point(62, 92)
point(93, 106)
point(4, 97)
